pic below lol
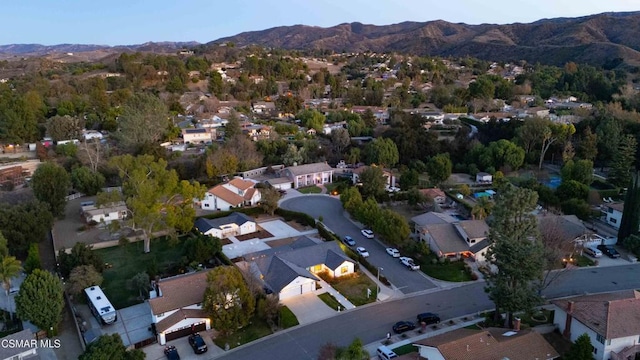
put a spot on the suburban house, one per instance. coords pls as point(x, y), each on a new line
point(438, 196)
point(21, 351)
point(487, 344)
point(611, 320)
point(466, 238)
point(263, 107)
point(236, 193)
point(176, 306)
point(484, 178)
point(281, 183)
point(198, 136)
point(257, 132)
point(390, 179)
point(291, 270)
point(104, 214)
point(308, 174)
point(223, 227)
point(430, 218)
point(613, 213)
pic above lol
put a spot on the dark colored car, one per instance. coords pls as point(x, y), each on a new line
point(172, 353)
point(428, 318)
point(402, 326)
point(609, 250)
point(197, 343)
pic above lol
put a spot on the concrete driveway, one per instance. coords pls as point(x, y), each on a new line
point(279, 229)
point(333, 214)
point(308, 308)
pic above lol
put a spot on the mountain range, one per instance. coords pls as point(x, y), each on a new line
point(597, 39)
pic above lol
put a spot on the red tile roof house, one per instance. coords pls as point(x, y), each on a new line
point(611, 320)
point(176, 306)
point(436, 194)
point(234, 194)
point(488, 344)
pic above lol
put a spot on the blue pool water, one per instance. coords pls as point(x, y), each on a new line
point(553, 182)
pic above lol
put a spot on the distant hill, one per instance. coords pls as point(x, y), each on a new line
point(40, 50)
point(595, 39)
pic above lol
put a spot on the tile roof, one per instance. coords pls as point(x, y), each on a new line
point(613, 315)
point(491, 344)
point(179, 315)
point(433, 193)
point(203, 225)
point(241, 184)
point(433, 218)
point(179, 291)
point(249, 193)
point(227, 195)
point(309, 168)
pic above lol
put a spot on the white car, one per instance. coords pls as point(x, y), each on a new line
point(362, 252)
point(367, 233)
point(408, 262)
point(393, 252)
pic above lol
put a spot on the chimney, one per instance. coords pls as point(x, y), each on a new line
point(567, 325)
point(516, 324)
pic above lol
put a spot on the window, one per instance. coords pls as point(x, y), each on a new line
point(613, 220)
point(344, 270)
point(600, 339)
point(610, 210)
point(595, 351)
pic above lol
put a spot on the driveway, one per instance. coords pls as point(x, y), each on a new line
point(331, 210)
point(308, 308)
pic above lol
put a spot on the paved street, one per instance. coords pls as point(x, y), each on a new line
point(331, 210)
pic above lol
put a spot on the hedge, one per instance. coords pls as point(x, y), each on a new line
point(302, 218)
point(326, 234)
point(250, 211)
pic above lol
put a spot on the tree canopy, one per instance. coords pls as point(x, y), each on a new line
point(144, 119)
point(227, 299)
point(51, 183)
point(108, 347)
point(40, 300)
point(381, 151)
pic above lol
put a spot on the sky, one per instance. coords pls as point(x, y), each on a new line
point(127, 22)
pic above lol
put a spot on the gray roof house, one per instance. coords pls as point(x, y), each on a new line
point(291, 269)
point(234, 224)
point(466, 238)
point(309, 174)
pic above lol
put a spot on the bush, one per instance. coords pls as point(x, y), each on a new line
point(326, 234)
point(302, 218)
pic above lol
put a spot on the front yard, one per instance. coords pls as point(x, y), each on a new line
point(354, 288)
point(310, 190)
point(256, 329)
point(454, 271)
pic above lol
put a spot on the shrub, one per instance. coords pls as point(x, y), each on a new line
point(302, 218)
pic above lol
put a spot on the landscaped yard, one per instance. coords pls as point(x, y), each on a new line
point(448, 271)
point(329, 300)
point(583, 261)
point(355, 289)
point(256, 329)
point(310, 190)
point(287, 318)
point(405, 349)
point(542, 317)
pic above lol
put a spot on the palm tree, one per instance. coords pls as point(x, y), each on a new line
point(482, 209)
point(9, 268)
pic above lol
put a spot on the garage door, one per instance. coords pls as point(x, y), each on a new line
point(297, 289)
point(185, 332)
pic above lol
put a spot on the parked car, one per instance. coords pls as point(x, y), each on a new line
point(171, 353)
point(592, 252)
point(428, 318)
point(609, 250)
point(197, 344)
point(393, 252)
point(403, 326)
point(362, 251)
point(408, 262)
point(349, 241)
point(367, 233)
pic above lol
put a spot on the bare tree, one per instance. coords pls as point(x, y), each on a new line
point(91, 153)
point(558, 244)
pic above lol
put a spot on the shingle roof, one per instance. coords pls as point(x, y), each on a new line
point(179, 291)
point(491, 344)
point(569, 227)
point(281, 273)
point(8, 352)
point(612, 315)
point(447, 238)
point(203, 225)
point(475, 228)
point(308, 168)
point(227, 195)
point(433, 192)
point(241, 183)
point(433, 218)
point(179, 315)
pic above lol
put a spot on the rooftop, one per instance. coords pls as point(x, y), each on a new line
point(179, 291)
point(309, 168)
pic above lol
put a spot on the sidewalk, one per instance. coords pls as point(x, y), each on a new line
point(326, 288)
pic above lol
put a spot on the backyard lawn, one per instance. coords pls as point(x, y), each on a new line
point(355, 289)
point(310, 190)
point(449, 271)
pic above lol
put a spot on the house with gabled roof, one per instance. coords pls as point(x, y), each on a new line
point(236, 193)
point(198, 135)
point(233, 225)
point(429, 218)
point(438, 196)
point(487, 344)
point(292, 269)
point(176, 306)
point(309, 174)
point(465, 238)
point(612, 322)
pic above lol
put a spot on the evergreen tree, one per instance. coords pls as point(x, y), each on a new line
point(581, 349)
point(624, 161)
point(631, 213)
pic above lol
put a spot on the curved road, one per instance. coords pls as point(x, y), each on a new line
point(332, 213)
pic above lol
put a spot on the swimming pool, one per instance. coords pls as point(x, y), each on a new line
point(553, 182)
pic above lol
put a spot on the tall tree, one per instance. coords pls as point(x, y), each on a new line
point(587, 148)
point(340, 140)
point(232, 128)
point(50, 184)
point(581, 349)
point(381, 151)
point(609, 133)
point(65, 127)
point(373, 181)
point(516, 252)
point(25, 224)
point(155, 196)
point(9, 268)
point(86, 181)
point(33, 259)
point(439, 168)
point(144, 120)
point(40, 300)
point(553, 133)
point(580, 171)
point(227, 299)
point(630, 222)
point(624, 161)
point(269, 197)
point(109, 347)
point(80, 254)
point(82, 277)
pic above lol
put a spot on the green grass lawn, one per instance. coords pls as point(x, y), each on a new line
point(126, 261)
point(256, 329)
point(582, 261)
point(355, 289)
point(404, 349)
point(541, 317)
point(330, 301)
point(287, 318)
point(452, 271)
point(310, 190)
point(331, 187)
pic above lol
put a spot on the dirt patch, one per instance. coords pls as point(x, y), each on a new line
point(559, 343)
point(225, 241)
point(281, 242)
point(407, 211)
point(260, 234)
point(298, 226)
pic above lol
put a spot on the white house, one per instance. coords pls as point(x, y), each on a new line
point(176, 306)
point(290, 270)
point(198, 136)
point(18, 346)
point(223, 227)
point(105, 214)
point(484, 178)
point(611, 320)
point(236, 193)
point(309, 174)
point(613, 213)
point(91, 134)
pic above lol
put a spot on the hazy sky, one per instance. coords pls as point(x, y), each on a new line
point(122, 22)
